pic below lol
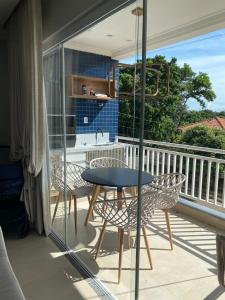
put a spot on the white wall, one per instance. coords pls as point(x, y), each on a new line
point(4, 95)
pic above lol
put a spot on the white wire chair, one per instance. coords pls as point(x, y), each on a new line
point(169, 186)
point(74, 185)
point(107, 162)
point(125, 218)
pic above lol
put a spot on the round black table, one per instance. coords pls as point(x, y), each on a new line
point(115, 177)
point(112, 177)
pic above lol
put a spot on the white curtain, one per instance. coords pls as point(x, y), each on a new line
point(27, 108)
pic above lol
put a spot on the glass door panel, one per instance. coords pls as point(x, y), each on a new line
point(92, 95)
point(84, 82)
point(56, 133)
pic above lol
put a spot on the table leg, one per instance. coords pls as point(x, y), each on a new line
point(133, 191)
point(119, 196)
point(93, 199)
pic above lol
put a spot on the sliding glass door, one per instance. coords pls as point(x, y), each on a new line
point(88, 80)
point(53, 78)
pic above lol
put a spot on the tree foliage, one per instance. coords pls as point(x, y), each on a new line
point(205, 137)
point(164, 113)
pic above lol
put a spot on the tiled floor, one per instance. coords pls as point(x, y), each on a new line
point(43, 272)
point(187, 272)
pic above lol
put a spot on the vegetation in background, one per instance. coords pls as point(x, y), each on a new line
point(205, 137)
point(165, 113)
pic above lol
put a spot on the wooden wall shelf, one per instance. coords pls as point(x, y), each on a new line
point(78, 96)
point(99, 85)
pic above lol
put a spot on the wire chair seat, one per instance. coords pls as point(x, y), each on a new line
point(73, 174)
point(122, 212)
point(169, 186)
point(107, 162)
point(59, 185)
point(74, 186)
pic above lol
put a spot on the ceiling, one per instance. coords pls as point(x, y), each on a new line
point(6, 7)
point(169, 21)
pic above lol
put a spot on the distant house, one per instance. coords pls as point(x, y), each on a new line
point(216, 122)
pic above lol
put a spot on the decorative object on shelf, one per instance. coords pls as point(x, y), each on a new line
point(84, 89)
point(92, 93)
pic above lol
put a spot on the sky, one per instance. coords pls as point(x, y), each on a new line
point(205, 53)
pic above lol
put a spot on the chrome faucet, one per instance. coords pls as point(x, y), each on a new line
point(96, 134)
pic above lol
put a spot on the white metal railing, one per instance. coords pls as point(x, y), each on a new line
point(204, 170)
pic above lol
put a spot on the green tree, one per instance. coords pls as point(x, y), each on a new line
point(205, 137)
point(163, 114)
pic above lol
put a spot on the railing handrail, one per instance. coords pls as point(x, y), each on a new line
point(174, 145)
point(213, 159)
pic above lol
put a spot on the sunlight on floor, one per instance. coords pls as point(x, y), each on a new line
point(187, 272)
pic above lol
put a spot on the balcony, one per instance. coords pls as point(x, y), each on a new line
point(203, 167)
point(190, 270)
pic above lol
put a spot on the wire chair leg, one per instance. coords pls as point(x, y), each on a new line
point(104, 205)
point(129, 239)
point(75, 213)
point(169, 228)
point(94, 197)
point(120, 253)
point(147, 246)
point(70, 201)
point(55, 210)
point(99, 243)
point(118, 240)
point(89, 201)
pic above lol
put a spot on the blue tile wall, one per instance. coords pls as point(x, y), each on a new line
point(101, 114)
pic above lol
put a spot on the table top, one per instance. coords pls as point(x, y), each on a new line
point(115, 177)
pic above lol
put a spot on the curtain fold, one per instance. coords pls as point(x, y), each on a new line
point(29, 141)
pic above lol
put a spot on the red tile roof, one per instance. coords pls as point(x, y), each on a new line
point(216, 122)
